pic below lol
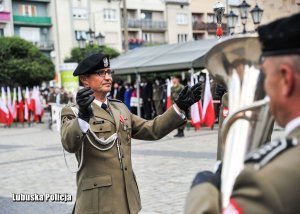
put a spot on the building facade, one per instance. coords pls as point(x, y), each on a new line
point(56, 26)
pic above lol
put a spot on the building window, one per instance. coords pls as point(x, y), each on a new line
point(79, 13)
point(181, 18)
point(27, 10)
point(181, 38)
point(30, 34)
point(210, 18)
point(146, 15)
point(110, 14)
point(1, 32)
point(79, 34)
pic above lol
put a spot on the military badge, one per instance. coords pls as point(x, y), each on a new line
point(105, 62)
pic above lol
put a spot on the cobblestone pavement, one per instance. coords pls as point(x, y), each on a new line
point(32, 162)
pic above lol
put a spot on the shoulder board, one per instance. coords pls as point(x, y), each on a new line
point(114, 100)
point(269, 151)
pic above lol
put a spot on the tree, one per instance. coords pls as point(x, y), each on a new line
point(78, 54)
point(23, 64)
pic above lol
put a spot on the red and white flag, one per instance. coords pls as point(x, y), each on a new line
point(208, 107)
point(169, 86)
point(20, 106)
point(14, 104)
point(36, 104)
point(3, 108)
point(27, 105)
point(10, 108)
point(196, 109)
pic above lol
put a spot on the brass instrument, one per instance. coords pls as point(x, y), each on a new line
point(234, 63)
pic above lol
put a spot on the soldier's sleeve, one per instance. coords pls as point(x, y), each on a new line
point(252, 192)
point(157, 128)
point(71, 135)
point(203, 198)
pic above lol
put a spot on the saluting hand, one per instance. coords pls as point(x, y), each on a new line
point(188, 96)
point(84, 99)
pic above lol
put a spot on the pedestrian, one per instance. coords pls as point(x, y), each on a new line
point(269, 182)
point(99, 131)
point(175, 90)
point(158, 95)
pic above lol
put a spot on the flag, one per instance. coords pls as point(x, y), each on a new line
point(14, 104)
point(20, 106)
point(208, 107)
point(169, 86)
point(27, 105)
point(196, 109)
point(36, 104)
point(3, 108)
point(10, 118)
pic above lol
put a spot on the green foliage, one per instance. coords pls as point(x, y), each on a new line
point(23, 64)
point(78, 54)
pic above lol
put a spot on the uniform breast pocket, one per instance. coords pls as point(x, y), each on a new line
point(96, 195)
point(102, 130)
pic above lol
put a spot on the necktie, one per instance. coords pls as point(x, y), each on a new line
point(105, 107)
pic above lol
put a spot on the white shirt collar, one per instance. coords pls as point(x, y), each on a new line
point(99, 103)
point(292, 125)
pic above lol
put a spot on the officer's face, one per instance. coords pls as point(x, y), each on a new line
point(273, 87)
point(100, 83)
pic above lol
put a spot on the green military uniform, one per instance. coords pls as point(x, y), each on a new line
point(106, 182)
point(269, 182)
point(175, 90)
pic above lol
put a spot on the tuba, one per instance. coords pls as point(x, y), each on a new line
point(234, 63)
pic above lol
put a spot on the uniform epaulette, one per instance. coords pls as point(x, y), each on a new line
point(114, 100)
point(269, 151)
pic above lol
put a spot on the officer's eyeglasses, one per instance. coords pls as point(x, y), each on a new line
point(103, 73)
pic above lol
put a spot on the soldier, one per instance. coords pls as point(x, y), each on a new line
point(99, 132)
point(269, 182)
point(175, 90)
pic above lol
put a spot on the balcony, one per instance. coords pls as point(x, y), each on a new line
point(210, 27)
point(4, 16)
point(146, 24)
point(44, 45)
point(33, 20)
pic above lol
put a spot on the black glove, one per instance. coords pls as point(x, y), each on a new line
point(210, 177)
point(188, 96)
point(84, 100)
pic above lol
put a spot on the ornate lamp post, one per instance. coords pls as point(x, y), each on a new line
point(81, 42)
point(256, 14)
point(100, 40)
point(231, 20)
point(91, 36)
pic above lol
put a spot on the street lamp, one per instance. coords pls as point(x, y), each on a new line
point(231, 20)
point(100, 40)
point(81, 42)
point(244, 9)
point(256, 14)
point(91, 36)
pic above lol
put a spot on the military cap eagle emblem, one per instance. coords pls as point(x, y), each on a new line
point(105, 62)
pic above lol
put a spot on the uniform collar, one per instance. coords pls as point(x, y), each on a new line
point(99, 103)
point(293, 124)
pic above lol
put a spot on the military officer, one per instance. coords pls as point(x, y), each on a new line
point(269, 182)
point(99, 132)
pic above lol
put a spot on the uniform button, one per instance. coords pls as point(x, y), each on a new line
point(122, 156)
point(100, 128)
point(125, 168)
point(78, 136)
point(95, 185)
